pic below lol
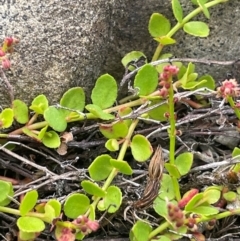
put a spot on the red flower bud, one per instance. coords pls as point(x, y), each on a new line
point(187, 197)
point(2, 53)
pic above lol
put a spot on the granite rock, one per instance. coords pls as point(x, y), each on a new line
point(70, 43)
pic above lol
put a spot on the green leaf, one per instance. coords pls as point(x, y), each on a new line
point(165, 40)
point(196, 28)
point(112, 145)
point(20, 111)
point(140, 231)
point(167, 188)
point(122, 166)
point(204, 9)
point(27, 236)
point(141, 148)
point(104, 93)
point(56, 118)
point(159, 112)
point(132, 57)
point(158, 25)
point(197, 200)
point(146, 80)
point(113, 199)
point(236, 152)
point(42, 132)
point(98, 112)
point(115, 130)
point(209, 82)
point(230, 196)
point(6, 190)
point(49, 213)
point(56, 205)
point(184, 162)
point(92, 188)
point(75, 205)
point(193, 84)
point(51, 139)
point(6, 118)
point(205, 210)
point(30, 224)
point(177, 10)
point(172, 170)
point(39, 104)
point(212, 194)
point(28, 203)
point(100, 168)
point(73, 98)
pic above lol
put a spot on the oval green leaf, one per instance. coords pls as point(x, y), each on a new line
point(122, 166)
point(74, 99)
point(92, 188)
point(104, 93)
point(28, 203)
point(159, 112)
point(177, 10)
point(141, 148)
point(209, 82)
point(140, 231)
point(112, 145)
point(98, 112)
point(75, 205)
point(6, 118)
point(172, 170)
point(39, 104)
point(184, 162)
point(158, 25)
point(113, 199)
point(196, 28)
point(146, 80)
point(30, 224)
point(55, 118)
point(114, 131)
point(51, 139)
point(56, 205)
point(165, 40)
point(20, 111)
point(100, 168)
point(6, 190)
point(205, 210)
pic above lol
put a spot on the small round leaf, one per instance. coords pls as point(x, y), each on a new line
point(75, 205)
point(184, 162)
point(104, 93)
point(140, 231)
point(112, 145)
point(56, 118)
point(146, 79)
point(6, 118)
point(113, 199)
point(20, 111)
point(28, 203)
point(141, 148)
point(39, 104)
point(196, 28)
point(158, 25)
point(51, 139)
point(122, 166)
point(177, 10)
point(6, 189)
point(73, 98)
point(30, 224)
point(92, 188)
point(100, 168)
point(133, 56)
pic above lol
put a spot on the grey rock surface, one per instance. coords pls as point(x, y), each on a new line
point(71, 42)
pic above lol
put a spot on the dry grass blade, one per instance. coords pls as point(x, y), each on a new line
point(155, 172)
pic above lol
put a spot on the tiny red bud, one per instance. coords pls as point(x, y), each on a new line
point(8, 41)
point(187, 197)
point(166, 115)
